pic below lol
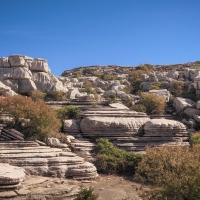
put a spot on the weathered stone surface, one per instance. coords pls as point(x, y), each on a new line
point(164, 127)
point(165, 94)
point(71, 127)
point(10, 175)
point(4, 62)
point(173, 74)
point(145, 86)
point(17, 61)
point(15, 73)
point(190, 111)
point(5, 90)
point(108, 93)
point(181, 103)
point(26, 86)
point(118, 106)
point(111, 126)
point(39, 65)
point(45, 161)
point(13, 84)
point(10, 134)
point(198, 105)
point(54, 142)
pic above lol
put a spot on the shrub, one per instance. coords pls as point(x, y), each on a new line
point(32, 118)
point(68, 112)
point(89, 90)
point(172, 172)
point(195, 138)
point(112, 98)
point(99, 74)
point(88, 84)
point(139, 108)
point(58, 96)
point(152, 102)
point(37, 95)
point(86, 194)
point(176, 87)
point(111, 159)
point(109, 77)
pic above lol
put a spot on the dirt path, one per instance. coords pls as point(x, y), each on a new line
point(107, 187)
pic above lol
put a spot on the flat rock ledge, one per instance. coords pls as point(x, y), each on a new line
point(46, 161)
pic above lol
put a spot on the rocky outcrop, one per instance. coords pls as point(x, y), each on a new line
point(30, 74)
point(45, 161)
point(11, 177)
point(10, 134)
point(6, 90)
point(181, 103)
point(71, 127)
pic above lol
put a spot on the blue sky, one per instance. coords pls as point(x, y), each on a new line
point(74, 33)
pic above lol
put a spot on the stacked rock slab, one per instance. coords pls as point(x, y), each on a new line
point(45, 161)
point(131, 130)
point(10, 134)
point(10, 177)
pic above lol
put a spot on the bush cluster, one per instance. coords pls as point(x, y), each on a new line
point(34, 119)
point(172, 172)
point(150, 103)
point(111, 159)
point(86, 194)
point(68, 112)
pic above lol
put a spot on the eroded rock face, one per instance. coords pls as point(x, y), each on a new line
point(111, 126)
point(180, 103)
point(72, 127)
point(5, 90)
point(11, 176)
point(17, 61)
point(39, 65)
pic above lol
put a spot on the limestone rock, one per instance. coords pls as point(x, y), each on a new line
point(26, 86)
point(10, 176)
point(111, 126)
point(118, 106)
point(5, 90)
point(165, 128)
point(39, 65)
point(71, 127)
point(173, 74)
point(165, 94)
point(198, 105)
point(145, 86)
point(191, 111)
point(54, 142)
point(17, 61)
point(13, 84)
point(4, 62)
point(109, 92)
point(180, 103)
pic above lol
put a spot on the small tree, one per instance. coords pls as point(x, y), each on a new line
point(32, 118)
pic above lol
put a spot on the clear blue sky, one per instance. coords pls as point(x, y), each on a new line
point(73, 33)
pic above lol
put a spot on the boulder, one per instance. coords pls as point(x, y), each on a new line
point(17, 61)
point(13, 84)
point(111, 126)
point(198, 104)
point(108, 93)
point(10, 176)
point(54, 142)
point(71, 127)
point(4, 62)
point(5, 90)
point(15, 73)
point(39, 65)
point(191, 111)
point(144, 77)
point(180, 103)
point(145, 86)
point(173, 74)
point(99, 90)
point(26, 86)
point(165, 94)
point(102, 84)
point(164, 128)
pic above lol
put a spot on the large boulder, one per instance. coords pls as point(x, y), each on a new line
point(11, 176)
point(191, 112)
point(39, 65)
point(112, 126)
point(5, 90)
point(181, 103)
point(71, 127)
point(165, 128)
point(26, 86)
point(173, 74)
point(17, 61)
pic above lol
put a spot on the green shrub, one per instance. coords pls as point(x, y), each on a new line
point(152, 102)
point(86, 194)
point(139, 108)
point(58, 96)
point(88, 84)
point(31, 118)
point(68, 112)
point(195, 138)
point(37, 95)
point(99, 74)
point(111, 159)
point(195, 67)
point(89, 90)
point(112, 98)
point(172, 173)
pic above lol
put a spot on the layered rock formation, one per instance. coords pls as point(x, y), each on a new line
point(24, 74)
point(45, 161)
